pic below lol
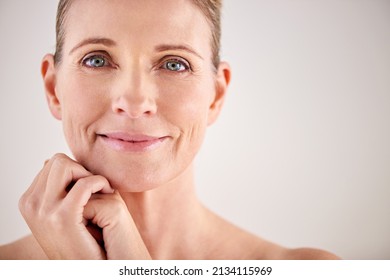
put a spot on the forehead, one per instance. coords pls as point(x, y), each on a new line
point(149, 22)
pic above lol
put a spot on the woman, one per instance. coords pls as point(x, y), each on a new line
point(135, 84)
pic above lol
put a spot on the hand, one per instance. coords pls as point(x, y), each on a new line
point(54, 212)
point(119, 232)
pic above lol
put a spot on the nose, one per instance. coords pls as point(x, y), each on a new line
point(135, 96)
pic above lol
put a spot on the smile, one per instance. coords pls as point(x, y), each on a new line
point(125, 142)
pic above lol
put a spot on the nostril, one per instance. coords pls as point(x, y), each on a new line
point(134, 107)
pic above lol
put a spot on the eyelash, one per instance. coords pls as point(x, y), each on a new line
point(107, 63)
point(87, 58)
point(180, 61)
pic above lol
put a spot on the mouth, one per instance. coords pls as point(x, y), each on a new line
point(131, 142)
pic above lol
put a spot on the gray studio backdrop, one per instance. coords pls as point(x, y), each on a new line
point(301, 152)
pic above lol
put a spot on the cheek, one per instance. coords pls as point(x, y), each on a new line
point(185, 104)
point(82, 103)
point(82, 97)
point(187, 101)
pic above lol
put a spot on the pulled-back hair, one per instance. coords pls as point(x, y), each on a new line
point(211, 9)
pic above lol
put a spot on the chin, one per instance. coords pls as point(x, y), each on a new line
point(135, 184)
point(137, 174)
point(132, 179)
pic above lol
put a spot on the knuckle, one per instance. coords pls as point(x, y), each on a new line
point(58, 217)
point(82, 182)
point(22, 203)
point(101, 180)
point(92, 181)
point(118, 202)
point(59, 160)
point(28, 206)
point(117, 209)
point(114, 205)
point(59, 156)
point(34, 210)
point(62, 164)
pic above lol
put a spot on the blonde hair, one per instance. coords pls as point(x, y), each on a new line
point(211, 9)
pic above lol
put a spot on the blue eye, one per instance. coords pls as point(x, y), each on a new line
point(95, 61)
point(175, 65)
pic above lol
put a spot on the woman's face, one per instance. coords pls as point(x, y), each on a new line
point(135, 88)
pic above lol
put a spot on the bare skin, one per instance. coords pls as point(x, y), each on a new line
point(165, 232)
point(145, 76)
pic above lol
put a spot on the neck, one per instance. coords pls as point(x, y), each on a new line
point(167, 217)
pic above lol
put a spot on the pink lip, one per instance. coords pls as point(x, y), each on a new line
point(123, 141)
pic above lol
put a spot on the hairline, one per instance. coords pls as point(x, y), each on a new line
point(63, 12)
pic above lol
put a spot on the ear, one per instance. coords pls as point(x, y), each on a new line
point(48, 72)
point(221, 85)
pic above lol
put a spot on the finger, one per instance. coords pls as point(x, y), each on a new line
point(82, 191)
point(29, 202)
point(52, 167)
point(61, 171)
point(96, 233)
point(34, 183)
point(33, 195)
point(121, 237)
point(104, 209)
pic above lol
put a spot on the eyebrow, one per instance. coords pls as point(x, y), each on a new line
point(109, 42)
point(167, 47)
point(94, 41)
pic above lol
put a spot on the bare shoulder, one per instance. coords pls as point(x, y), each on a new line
point(307, 254)
point(272, 251)
point(26, 248)
point(236, 243)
